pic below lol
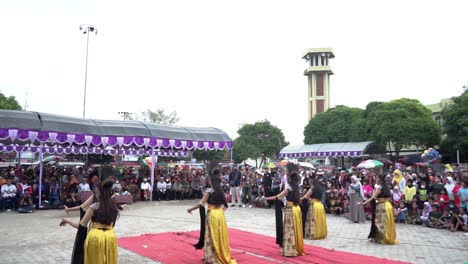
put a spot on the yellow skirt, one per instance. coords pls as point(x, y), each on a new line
point(216, 237)
point(385, 222)
point(100, 245)
point(316, 223)
point(293, 240)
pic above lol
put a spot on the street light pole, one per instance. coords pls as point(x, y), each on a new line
point(86, 29)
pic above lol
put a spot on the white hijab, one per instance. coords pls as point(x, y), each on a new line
point(450, 185)
point(356, 179)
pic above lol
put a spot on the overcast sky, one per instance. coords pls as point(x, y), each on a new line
point(224, 63)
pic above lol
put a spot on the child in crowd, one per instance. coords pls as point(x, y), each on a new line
point(427, 209)
point(396, 196)
point(435, 217)
point(400, 213)
point(460, 220)
point(422, 194)
point(410, 192)
point(443, 199)
point(414, 214)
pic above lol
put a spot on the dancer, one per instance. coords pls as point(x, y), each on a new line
point(78, 247)
point(289, 235)
point(215, 238)
point(356, 195)
point(101, 243)
point(316, 221)
point(383, 224)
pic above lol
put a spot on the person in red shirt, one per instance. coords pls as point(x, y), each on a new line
point(443, 199)
point(455, 191)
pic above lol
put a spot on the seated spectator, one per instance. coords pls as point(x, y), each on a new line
point(177, 188)
point(8, 192)
point(460, 220)
point(400, 213)
point(26, 204)
point(23, 187)
point(427, 209)
point(414, 214)
point(396, 196)
point(54, 194)
point(84, 186)
point(117, 187)
point(435, 218)
point(448, 216)
point(70, 200)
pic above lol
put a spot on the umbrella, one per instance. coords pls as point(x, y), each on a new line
point(368, 164)
point(306, 165)
point(270, 165)
point(283, 163)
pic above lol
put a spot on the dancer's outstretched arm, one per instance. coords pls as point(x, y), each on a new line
point(279, 196)
point(200, 204)
point(84, 205)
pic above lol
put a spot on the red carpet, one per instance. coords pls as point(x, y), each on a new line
point(246, 247)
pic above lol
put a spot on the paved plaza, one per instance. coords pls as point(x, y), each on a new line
point(37, 237)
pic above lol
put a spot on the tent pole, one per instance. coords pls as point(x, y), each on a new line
point(40, 176)
point(153, 165)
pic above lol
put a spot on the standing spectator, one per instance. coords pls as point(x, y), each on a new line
point(161, 189)
point(423, 193)
point(146, 189)
point(356, 194)
point(437, 186)
point(169, 191)
point(234, 182)
point(463, 193)
point(8, 192)
point(267, 184)
point(410, 192)
point(247, 183)
point(449, 187)
point(456, 194)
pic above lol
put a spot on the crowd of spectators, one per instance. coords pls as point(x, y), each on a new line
point(437, 199)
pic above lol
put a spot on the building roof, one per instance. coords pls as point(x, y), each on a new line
point(319, 50)
point(437, 108)
point(25, 128)
point(345, 149)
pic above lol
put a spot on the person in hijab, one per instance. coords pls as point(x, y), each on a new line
point(383, 229)
point(316, 220)
point(449, 187)
point(356, 195)
point(397, 177)
point(425, 213)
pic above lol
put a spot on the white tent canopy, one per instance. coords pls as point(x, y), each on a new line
point(346, 149)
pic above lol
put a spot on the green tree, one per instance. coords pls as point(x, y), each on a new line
point(160, 117)
point(401, 123)
point(455, 117)
point(338, 124)
point(213, 156)
point(9, 103)
point(255, 140)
